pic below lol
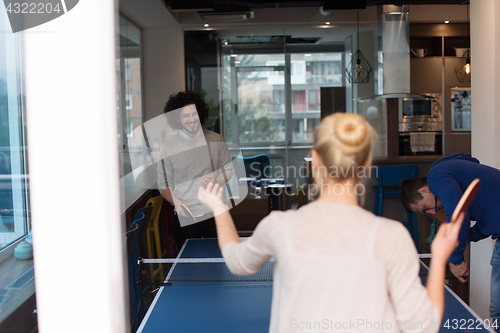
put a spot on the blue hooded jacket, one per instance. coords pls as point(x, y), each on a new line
point(448, 179)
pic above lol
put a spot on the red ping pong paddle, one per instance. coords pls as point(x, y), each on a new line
point(465, 202)
point(188, 213)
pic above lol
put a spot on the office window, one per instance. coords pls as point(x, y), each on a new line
point(314, 100)
point(319, 70)
point(128, 90)
point(14, 205)
point(279, 101)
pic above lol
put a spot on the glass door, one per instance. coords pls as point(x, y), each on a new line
point(270, 99)
point(461, 109)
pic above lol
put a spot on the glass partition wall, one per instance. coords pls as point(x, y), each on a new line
point(270, 94)
point(15, 217)
point(14, 198)
point(263, 86)
point(129, 89)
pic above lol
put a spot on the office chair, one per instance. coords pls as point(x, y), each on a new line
point(389, 179)
point(153, 228)
point(134, 233)
point(256, 166)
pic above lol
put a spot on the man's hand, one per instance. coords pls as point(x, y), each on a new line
point(207, 179)
point(460, 271)
point(178, 208)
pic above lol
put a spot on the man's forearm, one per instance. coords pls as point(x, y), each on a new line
point(168, 195)
point(224, 177)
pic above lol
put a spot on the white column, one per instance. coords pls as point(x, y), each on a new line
point(73, 165)
point(485, 45)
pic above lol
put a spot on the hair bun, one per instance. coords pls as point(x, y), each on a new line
point(351, 130)
point(343, 141)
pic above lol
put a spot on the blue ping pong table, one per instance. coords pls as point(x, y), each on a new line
point(241, 304)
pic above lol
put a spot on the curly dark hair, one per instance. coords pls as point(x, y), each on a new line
point(181, 99)
point(409, 191)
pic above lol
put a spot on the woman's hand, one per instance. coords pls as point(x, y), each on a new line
point(446, 242)
point(212, 196)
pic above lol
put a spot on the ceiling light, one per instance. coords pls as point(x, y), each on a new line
point(446, 22)
point(358, 70)
point(327, 23)
point(237, 62)
point(467, 66)
point(307, 55)
point(234, 55)
point(206, 25)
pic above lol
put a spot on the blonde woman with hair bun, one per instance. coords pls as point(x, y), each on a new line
point(336, 262)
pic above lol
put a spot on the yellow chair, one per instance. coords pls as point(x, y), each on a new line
point(154, 229)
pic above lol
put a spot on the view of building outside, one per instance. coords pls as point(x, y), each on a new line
point(311, 72)
point(14, 205)
point(260, 94)
point(128, 91)
point(133, 97)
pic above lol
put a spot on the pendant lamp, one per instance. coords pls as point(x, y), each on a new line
point(358, 70)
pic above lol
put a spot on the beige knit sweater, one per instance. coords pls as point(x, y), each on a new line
point(337, 268)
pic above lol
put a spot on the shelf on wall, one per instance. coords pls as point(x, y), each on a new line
point(433, 45)
point(440, 40)
point(450, 43)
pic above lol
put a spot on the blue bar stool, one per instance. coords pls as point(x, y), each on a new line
point(389, 179)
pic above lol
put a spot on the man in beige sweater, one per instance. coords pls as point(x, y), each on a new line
point(191, 158)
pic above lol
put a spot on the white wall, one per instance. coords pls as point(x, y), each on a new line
point(163, 67)
point(485, 44)
point(162, 52)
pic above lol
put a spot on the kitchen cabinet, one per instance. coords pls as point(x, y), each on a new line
point(435, 72)
point(426, 75)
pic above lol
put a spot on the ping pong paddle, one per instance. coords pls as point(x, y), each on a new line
point(189, 214)
point(465, 202)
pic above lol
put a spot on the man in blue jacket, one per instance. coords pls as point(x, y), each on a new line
point(445, 184)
